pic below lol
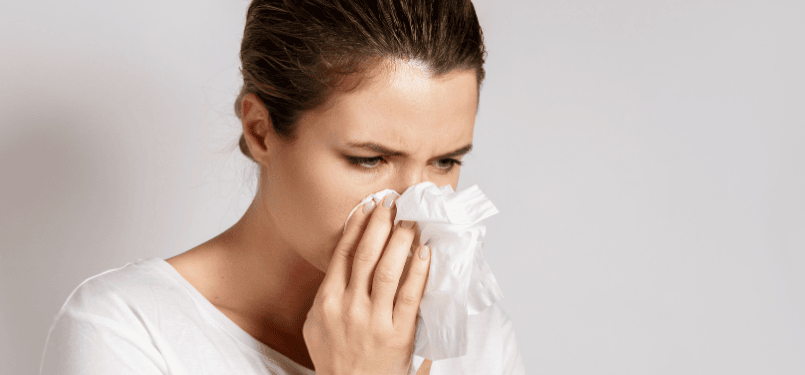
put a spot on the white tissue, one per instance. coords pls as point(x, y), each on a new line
point(460, 282)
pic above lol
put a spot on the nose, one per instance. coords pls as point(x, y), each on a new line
point(416, 173)
point(412, 175)
point(400, 188)
point(406, 179)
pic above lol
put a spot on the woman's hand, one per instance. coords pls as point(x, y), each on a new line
point(360, 323)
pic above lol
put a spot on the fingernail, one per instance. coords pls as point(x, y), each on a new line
point(368, 206)
point(388, 201)
point(408, 224)
point(423, 252)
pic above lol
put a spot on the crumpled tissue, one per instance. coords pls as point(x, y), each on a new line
point(460, 282)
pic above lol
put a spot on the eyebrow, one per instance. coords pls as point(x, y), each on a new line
point(389, 152)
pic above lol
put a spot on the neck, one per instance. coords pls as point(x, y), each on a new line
point(273, 284)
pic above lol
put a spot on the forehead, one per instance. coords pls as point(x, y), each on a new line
point(404, 107)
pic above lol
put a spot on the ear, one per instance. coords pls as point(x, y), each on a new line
point(256, 126)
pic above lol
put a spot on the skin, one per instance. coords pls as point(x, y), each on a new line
point(265, 271)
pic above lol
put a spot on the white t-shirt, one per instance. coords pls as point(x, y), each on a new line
point(145, 318)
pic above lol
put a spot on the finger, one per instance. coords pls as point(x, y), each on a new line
point(413, 250)
point(338, 270)
point(410, 294)
point(371, 246)
point(414, 247)
point(390, 267)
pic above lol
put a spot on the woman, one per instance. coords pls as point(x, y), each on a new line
point(340, 99)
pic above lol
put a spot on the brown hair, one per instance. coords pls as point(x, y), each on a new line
point(295, 53)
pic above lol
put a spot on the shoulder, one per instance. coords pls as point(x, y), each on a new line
point(110, 319)
point(135, 287)
point(207, 269)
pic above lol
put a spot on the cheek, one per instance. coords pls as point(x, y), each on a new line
point(330, 198)
point(339, 189)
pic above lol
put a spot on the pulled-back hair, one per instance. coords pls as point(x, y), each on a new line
point(296, 53)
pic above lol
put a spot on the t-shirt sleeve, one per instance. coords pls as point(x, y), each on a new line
point(98, 332)
point(512, 358)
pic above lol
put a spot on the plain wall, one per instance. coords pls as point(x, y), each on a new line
point(646, 157)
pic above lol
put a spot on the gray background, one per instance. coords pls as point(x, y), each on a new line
point(646, 157)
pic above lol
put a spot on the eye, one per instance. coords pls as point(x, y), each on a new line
point(370, 164)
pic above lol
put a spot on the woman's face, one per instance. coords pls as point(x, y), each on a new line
point(310, 187)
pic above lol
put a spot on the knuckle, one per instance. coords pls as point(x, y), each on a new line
point(330, 305)
point(344, 251)
point(310, 326)
point(400, 341)
point(364, 255)
point(386, 337)
point(385, 276)
point(408, 298)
